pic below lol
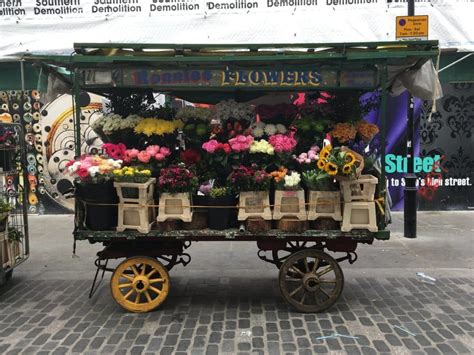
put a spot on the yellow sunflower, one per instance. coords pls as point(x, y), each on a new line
point(325, 152)
point(350, 158)
point(331, 168)
point(320, 164)
point(347, 169)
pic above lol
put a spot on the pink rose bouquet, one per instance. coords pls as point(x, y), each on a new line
point(283, 143)
point(153, 153)
point(241, 143)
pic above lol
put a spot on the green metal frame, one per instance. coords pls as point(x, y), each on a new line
point(347, 56)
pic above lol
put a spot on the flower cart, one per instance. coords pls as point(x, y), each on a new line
point(240, 157)
point(14, 246)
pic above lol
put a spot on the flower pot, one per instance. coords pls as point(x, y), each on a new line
point(135, 192)
point(175, 206)
point(289, 204)
point(254, 204)
point(97, 216)
point(361, 189)
point(324, 204)
point(218, 218)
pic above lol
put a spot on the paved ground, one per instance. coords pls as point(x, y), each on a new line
point(227, 301)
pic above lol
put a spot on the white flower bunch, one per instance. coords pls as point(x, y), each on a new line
point(112, 122)
point(262, 146)
point(232, 109)
point(194, 113)
point(292, 180)
point(260, 128)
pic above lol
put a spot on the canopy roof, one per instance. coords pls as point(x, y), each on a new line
point(218, 71)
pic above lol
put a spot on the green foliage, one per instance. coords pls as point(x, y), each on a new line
point(4, 206)
point(318, 180)
point(219, 192)
point(14, 235)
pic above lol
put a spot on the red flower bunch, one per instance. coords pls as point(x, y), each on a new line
point(115, 151)
point(250, 179)
point(176, 179)
point(190, 156)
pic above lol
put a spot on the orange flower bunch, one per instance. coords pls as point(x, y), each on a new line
point(343, 132)
point(279, 175)
point(366, 130)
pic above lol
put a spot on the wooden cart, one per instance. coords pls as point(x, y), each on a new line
point(310, 279)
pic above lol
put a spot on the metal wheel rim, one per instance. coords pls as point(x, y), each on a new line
point(311, 281)
point(140, 284)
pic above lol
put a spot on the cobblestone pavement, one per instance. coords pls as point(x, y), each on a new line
point(239, 315)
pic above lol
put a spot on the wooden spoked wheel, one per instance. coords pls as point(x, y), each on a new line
point(140, 284)
point(311, 280)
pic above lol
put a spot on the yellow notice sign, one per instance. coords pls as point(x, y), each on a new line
point(412, 27)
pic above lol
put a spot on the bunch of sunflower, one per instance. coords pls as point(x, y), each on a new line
point(343, 132)
point(334, 161)
point(366, 130)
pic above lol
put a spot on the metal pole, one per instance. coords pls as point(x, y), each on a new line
point(383, 134)
point(410, 197)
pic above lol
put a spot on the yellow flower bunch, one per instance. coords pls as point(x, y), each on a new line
point(159, 127)
point(335, 161)
point(129, 173)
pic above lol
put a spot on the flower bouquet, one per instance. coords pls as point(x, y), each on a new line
point(153, 131)
point(153, 156)
point(324, 196)
point(95, 189)
point(176, 184)
point(261, 153)
point(113, 128)
point(342, 163)
point(253, 186)
point(289, 197)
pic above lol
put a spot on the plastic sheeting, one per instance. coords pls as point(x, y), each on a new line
point(52, 26)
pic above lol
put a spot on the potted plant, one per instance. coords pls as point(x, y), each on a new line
point(15, 238)
point(253, 186)
point(5, 209)
point(289, 197)
point(324, 196)
point(95, 190)
point(134, 184)
point(220, 200)
point(176, 183)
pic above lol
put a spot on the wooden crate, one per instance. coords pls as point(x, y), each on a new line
point(138, 217)
point(324, 204)
point(134, 192)
point(175, 206)
point(361, 189)
point(254, 204)
point(290, 204)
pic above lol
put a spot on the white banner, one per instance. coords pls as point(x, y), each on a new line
point(52, 26)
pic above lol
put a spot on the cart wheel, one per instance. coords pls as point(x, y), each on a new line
point(280, 255)
point(311, 280)
point(140, 284)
